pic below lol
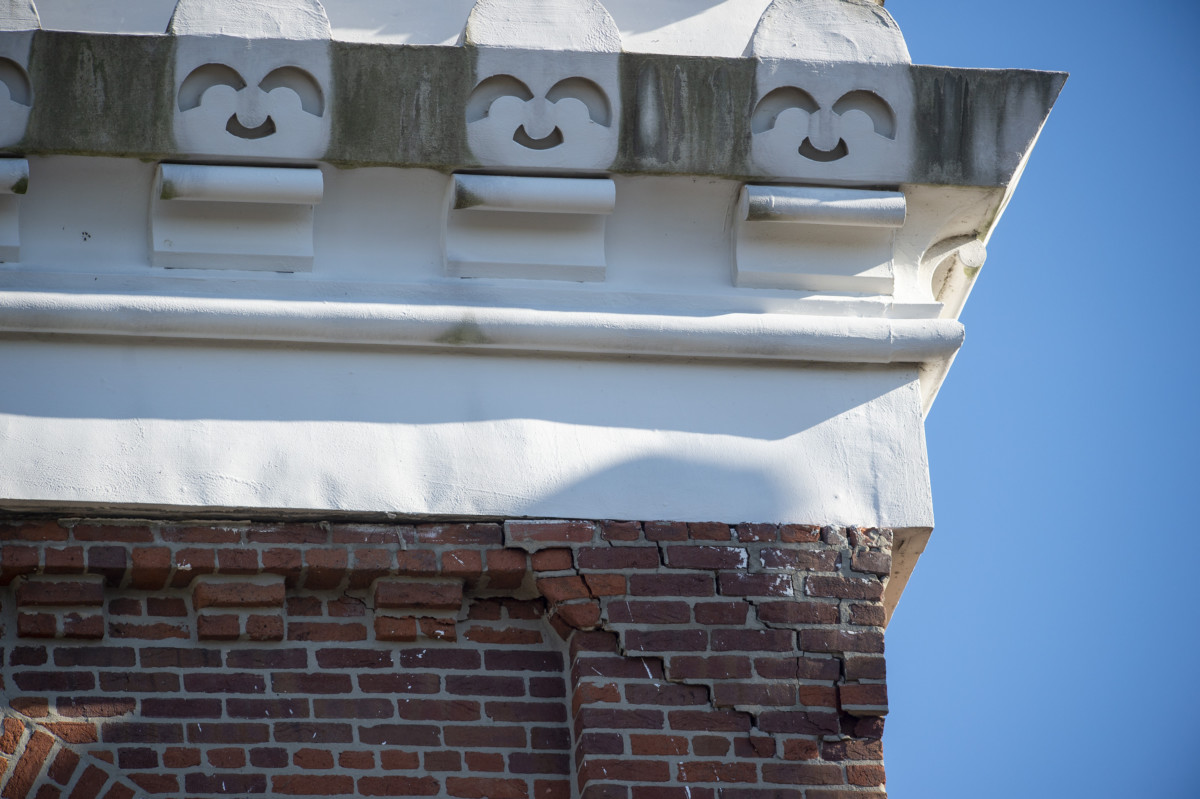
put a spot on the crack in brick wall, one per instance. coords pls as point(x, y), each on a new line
point(528, 659)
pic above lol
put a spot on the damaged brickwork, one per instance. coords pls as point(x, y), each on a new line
point(506, 660)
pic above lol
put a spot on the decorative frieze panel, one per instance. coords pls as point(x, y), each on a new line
point(815, 239)
point(234, 217)
point(522, 227)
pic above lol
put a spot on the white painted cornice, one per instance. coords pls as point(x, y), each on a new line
point(733, 336)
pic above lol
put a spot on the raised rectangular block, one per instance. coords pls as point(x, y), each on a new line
point(524, 227)
point(14, 180)
point(816, 239)
point(234, 217)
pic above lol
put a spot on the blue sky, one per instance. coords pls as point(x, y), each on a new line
point(1047, 645)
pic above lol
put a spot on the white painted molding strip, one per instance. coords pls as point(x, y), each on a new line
point(858, 208)
point(534, 195)
point(241, 184)
point(14, 175)
point(737, 336)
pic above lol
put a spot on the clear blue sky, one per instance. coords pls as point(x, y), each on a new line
point(1047, 645)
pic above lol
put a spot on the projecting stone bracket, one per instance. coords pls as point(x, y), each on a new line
point(817, 239)
point(527, 227)
point(234, 217)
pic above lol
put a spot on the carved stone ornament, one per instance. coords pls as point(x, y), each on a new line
point(546, 92)
point(851, 123)
point(252, 78)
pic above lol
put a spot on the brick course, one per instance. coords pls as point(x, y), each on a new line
point(529, 659)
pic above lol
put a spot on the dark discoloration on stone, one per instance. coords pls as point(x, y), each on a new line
point(101, 94)
point(400, 105)
point(968, 123)
point(683, 112)
point(20, 187)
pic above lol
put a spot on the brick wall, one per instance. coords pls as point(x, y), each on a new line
point(515, 660)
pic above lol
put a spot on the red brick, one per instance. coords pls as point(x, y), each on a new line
point(264, 628)
point(865, 668)
point(620, 531)
point(208, 593)
point(53, 681)
point(863, 699)
point(626, 770)
point(702, 557)
point(553, 789)
point(184, 534)
point(799, 533)
point(800, 749)
point(228, 757)
point(843, 588)
point(852, 750)
point(289, 682)
point(702, 771)
point(486, 735)
point(658, 745)
point(618, 558)
point(115, 532)
point(579, 615)
point(666, 531)
point(865, 775)
point(722, 612)
point(478, 534)
point(74, 732)
point(224, 681)
point(342, 658)
point(396, 628)
point(763, 694)
point(797, 612)
point(741, 640)
point(63, 767)
point(312, 784)
point(356, 760)
point(165, 606)
point(177, 757)
point(841, 641)
point(515, 636)
point(506, 568)
point(818, 560)
point(742, 584)
point(59, 593)
point(561, 589)
point(392, 759)
point(649, 612)
point(33, 531)
point(269, 757)
point(37, 625)
point(551, 560)
point(191, 563)
point(433, 594)
point(804, 668)
point(817, 696)
point(64, 560)
point(417, 563)
point(326, 568)
point(88, 786)
point(753, 746)
point(370, 533)
point(605, 584)
point(798, 722)
point(466, 564)
point(879, 563)
point(708, 531)
point(690, 640)
point(314, 732)
point(719, 667)
point(313, 759)
point(287, 563)
point(99, 706)
point(598, 718)
point(443, 761)
point(548, 531)
point(672, 585)
point(225, 782)
point(802, 774)
point(110, 562)
point(17, 560)
point(155, 783)
point(752, 533)
point(439, 629)
point(484, 761)
point(868, 615)
point(76, 625)
point(486, 788)
point(709, 720)
point(219, 627)
point(665, 695)
point(326, 631)
point(239, 708)
point(26, 769)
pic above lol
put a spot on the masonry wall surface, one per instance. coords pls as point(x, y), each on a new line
point(505, 659)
